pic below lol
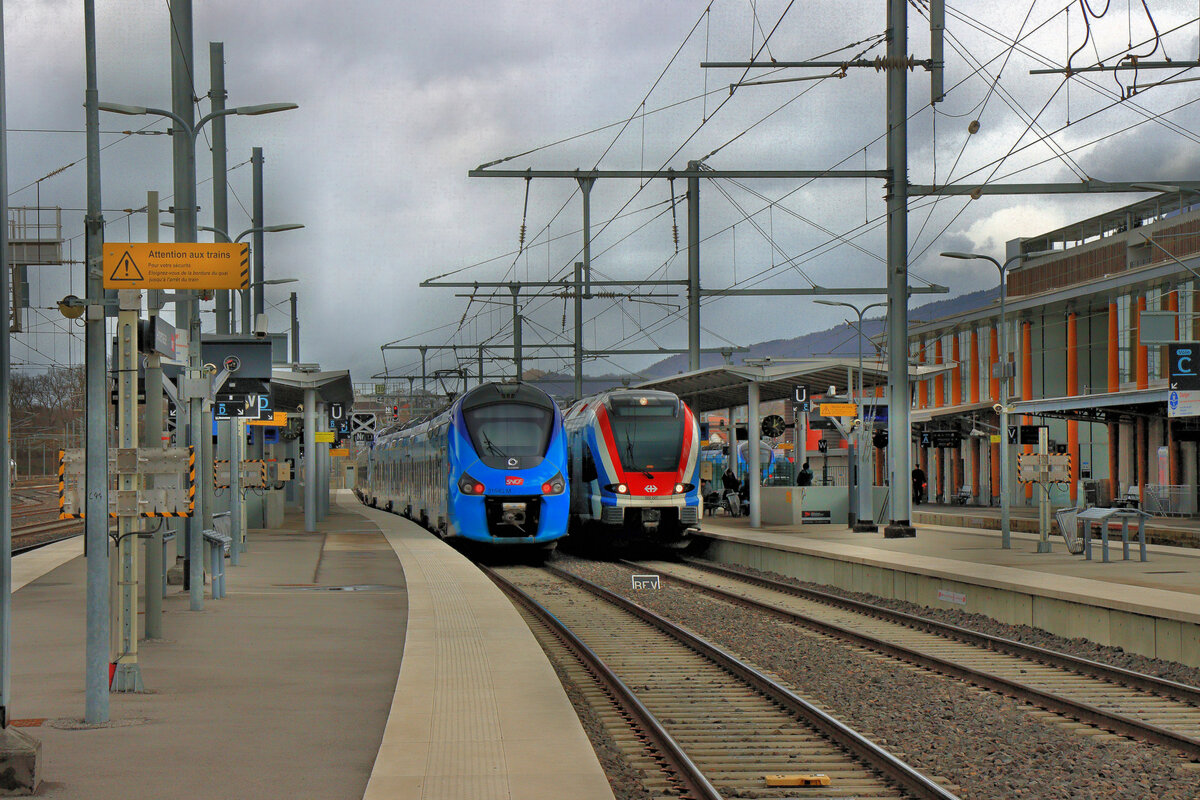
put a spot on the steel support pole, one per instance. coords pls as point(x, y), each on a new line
point(256, 209)
point(899, 410)
point(152, 438)
point(5, 415)
point(236, 532)
point(127, 676)
point(865, 518)
point(1005, 447)
point(216, 96)
point(585, 187)
point(578, 330)
point(480, 356)
point(322, 463)
point(693, 254)
point(424, 350)
point(516, 290)
point(96, 459)
point(295, 331)
point(187, 315)
point(753, 456)
point(310, 460)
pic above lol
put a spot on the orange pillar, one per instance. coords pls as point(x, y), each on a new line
point(939, 382)
point(1027, 383)
point(993, 381)
point(1072, 390)
point(956, 373)
point(1114, 350)
point(1143, 353)
point(973, 368)
point(923, 390)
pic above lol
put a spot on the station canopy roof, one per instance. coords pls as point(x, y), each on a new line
point(715, 388)
point(288, 387)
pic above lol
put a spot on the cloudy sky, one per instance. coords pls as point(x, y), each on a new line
point(398, 100)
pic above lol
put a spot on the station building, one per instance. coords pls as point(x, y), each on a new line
point(1072, 321)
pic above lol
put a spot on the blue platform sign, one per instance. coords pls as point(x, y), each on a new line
point(1183, 362)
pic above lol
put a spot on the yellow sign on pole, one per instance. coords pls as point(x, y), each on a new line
point(323, 436)
point(152, 265)
point(339, 451)
point(839, 410)
point(278, 420)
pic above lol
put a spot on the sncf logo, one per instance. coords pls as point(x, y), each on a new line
point(651, 488)
point(513, 480)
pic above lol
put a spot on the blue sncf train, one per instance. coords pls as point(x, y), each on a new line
point(491, 468)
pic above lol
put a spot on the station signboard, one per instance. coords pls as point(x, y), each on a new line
point(1183, 403)
point(157, 265)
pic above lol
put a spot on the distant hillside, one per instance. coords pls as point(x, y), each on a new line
point(840, 340)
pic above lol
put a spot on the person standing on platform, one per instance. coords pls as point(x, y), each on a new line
point(805, 476)
point(919, 484)
point(730, 485)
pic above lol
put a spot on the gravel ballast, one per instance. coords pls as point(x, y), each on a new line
point(989, 746)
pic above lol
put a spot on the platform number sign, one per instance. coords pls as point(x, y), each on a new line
point(264, 410)
point(800, 400)
point(1184, 363)
point(822, 446)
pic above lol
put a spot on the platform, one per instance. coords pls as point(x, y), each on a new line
point(1151, 608)
point(1181, 531)
point(331, 664)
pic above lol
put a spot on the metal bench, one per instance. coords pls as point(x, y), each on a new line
point(1103, 517)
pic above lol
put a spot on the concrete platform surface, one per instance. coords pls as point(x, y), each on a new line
point(1151, 607)
point(1170, 579)
point(478, 712)
point(281, 690)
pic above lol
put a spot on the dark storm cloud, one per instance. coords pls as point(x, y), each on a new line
point(399, 99)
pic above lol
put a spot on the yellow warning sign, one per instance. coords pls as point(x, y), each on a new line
point(339, 451)
point(839, 410)
point(140, 265)
point(323, 436)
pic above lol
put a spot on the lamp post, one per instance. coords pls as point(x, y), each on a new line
point(1005, 500)
point(245, 293)
point(187, 227)
point(863, 502)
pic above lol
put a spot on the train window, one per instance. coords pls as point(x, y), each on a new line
point(589, 466)
point(504, 430)
point(648, 437)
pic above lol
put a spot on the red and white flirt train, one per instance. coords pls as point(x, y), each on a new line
point(634, 461)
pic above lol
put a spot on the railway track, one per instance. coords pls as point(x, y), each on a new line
point(39, 534)
point(1128, 703)
point(701, 723)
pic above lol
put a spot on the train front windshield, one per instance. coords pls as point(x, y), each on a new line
point(509, 430)
point(648, 433)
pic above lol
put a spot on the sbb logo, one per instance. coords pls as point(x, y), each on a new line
point(512, 480)
point(651, 488)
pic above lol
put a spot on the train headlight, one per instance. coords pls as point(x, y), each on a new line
point(468, 485)
point(680, 488)
point(619, 488)
point(555, 485)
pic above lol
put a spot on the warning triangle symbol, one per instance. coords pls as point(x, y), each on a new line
point(126, 270)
